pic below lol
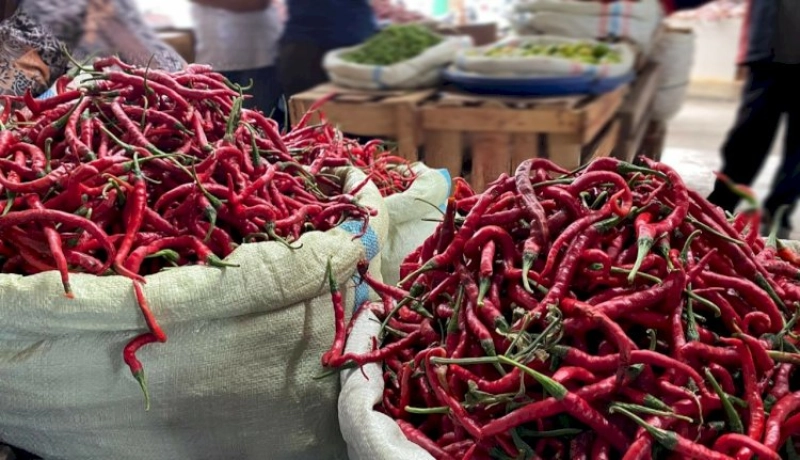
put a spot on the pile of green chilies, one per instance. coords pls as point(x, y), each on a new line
point(608, 312)
point(138, 170)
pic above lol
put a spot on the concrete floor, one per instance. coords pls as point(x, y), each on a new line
point(693, 145)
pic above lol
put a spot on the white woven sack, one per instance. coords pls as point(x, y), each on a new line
point(591, 27)
point(370, 435)
point(401, 75)
point(669, 101)
point(643, 9)
point(234, 381)
point(541, 65)
point(410, 218)
point(423, 80)
point(675, 52)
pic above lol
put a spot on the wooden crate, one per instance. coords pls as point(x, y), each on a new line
point(499, 133)
point(654, 140)
point(635, 113)
point(385, 114)
point(182, 40)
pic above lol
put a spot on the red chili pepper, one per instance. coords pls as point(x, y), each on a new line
point(778, 415)
point(129, 356)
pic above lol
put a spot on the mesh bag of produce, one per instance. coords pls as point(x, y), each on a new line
point(401, 57)
point(412, 217)
point(548, 56)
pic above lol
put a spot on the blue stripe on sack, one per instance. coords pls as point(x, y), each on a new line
point(377, 73)
point(47, 94)
point(371, 247)
point(614, 25)
point(449, 180)
point(616, 9)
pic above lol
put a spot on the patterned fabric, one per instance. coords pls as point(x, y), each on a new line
point(103, 27)
point(30, 58)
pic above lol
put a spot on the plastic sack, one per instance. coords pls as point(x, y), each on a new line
point(421, 71)
point(427, 79)
point(411, 218)
point(468, 61)
point(645, 9)
point(638, 31)
point(675, 53)
point(234, 380)
point(369, 434)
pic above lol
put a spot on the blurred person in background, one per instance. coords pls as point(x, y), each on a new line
point(772, 57)
point(30, 57)
point(102, 28)
point(239, 38)
point(315, 27)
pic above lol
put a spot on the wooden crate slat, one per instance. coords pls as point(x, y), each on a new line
point(600, 111)
point(636, 108)
point(491, 157)
point(565, 150)
point(445, 149)
point(523, 147)
point(634, 143)
point(449, 98)
point(605, 143)
point(498, 120)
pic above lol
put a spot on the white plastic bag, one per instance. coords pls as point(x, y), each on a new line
point(369, 434)
point(644, 9)
point(234, 380)
point(410, 218)
point(413, 73)
point(469, 61)
point(675, 53)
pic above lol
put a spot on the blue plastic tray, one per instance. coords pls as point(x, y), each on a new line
point(533, 86)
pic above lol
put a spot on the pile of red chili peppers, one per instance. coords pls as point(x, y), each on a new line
point(138, 170)
point(608, 312)
point(390, 173)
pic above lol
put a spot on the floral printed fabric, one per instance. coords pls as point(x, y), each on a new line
point(30, 57)
point(104, 27)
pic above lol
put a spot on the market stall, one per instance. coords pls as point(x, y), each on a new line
point(504, 278)
point(488, 106)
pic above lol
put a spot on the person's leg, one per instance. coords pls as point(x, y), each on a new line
point(750, 139)
point(786, 185)
point(300, 67)
point(263, 92)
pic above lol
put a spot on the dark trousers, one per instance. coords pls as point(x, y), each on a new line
point(300, 67)
point(771, 90)
point(265, 93)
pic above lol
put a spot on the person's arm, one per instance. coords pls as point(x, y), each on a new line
point(239, 6)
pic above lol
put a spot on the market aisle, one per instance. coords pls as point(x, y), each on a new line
point(693, 143)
